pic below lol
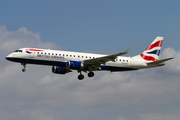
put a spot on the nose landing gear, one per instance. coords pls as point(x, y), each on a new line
point(24, 65)
point(24, 70)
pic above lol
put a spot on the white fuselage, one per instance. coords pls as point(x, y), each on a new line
point(55, 57)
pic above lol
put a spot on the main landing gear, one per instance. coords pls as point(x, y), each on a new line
point(90, 74)
point(81, 76)
point(24, 65)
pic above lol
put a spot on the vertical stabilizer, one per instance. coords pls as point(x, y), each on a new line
point(153, 50)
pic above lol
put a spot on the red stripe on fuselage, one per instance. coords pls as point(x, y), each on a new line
point(33, 50)
point(148, 58)
point(157, 44)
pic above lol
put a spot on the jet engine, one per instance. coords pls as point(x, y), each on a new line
point(74, 65)
point(59, 70)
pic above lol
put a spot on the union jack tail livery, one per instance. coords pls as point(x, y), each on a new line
point(152, 51)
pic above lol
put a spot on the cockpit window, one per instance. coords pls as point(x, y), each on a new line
point(18, 51)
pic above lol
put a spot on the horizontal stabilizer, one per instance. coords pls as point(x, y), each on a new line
point(159, 61)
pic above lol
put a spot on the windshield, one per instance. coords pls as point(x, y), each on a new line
point(18, 51)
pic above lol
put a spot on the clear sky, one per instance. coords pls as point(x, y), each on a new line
point(99, 26)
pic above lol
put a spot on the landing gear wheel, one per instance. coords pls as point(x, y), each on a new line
point(24, 70)
point(80, 77)
point(90, 74)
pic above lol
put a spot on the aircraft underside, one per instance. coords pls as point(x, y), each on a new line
point(62, 67)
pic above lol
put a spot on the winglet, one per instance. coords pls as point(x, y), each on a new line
point(128, 49)
point(125, 52)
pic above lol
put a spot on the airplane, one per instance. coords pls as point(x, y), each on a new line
point(63, 62)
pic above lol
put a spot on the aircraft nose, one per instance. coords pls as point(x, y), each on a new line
point(9, 57)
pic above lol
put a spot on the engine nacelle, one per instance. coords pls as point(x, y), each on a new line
point(74, 65)
point(59, 70)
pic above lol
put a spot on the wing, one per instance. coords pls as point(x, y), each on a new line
point(102, 60)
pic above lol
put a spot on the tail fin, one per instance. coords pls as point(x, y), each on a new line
point(152, 51)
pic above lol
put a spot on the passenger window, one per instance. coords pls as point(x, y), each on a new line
point(52, 53)
point(70, 55)
point(120, 60)
point(126, 60)
point(42, 53)
point(59, 54)
point(56, 54)
point(48, 53)
point(66, 55)
point(45, 53)
point(82, 56)
point(37, 52)
point(74, 56)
